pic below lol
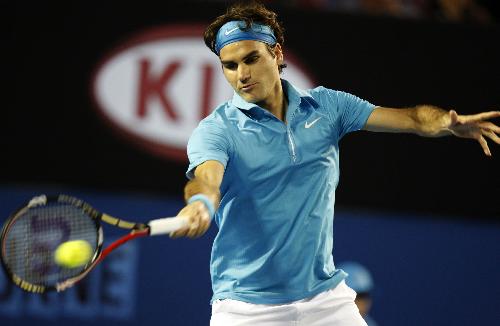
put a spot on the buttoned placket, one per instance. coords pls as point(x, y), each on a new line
point(292, 148)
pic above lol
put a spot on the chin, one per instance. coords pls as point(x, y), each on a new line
point(249, 98)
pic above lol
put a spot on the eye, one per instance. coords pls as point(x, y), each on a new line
point(252, 59)
point(230, 66)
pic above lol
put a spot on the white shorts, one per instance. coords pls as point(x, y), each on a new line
point(333, 307)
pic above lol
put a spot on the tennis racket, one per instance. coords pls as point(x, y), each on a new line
point(31, 235)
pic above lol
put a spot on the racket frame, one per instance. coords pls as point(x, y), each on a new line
point(138, 230)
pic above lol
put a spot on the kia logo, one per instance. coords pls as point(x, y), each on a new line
point(156, 87)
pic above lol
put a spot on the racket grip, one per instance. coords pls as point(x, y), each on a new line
point(166, 225)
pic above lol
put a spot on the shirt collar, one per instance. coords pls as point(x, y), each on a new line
point(295, 96)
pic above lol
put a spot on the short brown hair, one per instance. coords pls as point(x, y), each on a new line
point(248, 12)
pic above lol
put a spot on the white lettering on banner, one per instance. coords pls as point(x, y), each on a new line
point(157, 87)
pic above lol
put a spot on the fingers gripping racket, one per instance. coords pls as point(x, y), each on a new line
point(31, 236)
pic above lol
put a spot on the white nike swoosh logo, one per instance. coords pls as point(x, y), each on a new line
point(231, 30)
point(309, 125)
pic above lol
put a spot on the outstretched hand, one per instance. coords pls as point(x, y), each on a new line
point(476, 127)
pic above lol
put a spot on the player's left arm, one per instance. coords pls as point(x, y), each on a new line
point(431, 121)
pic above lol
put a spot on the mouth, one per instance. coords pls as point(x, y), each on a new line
point(248, 87)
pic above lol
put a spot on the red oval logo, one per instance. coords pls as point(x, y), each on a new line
point(156, 87)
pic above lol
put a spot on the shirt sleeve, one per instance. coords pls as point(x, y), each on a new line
point(349, 112)
point(207, 142)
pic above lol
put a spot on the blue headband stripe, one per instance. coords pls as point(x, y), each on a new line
point(235, 31)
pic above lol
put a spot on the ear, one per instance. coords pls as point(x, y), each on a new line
point(278, 52)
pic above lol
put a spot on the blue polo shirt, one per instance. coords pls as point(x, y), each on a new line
point(275, 218)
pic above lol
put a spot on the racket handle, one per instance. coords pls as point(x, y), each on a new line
point(166, 225)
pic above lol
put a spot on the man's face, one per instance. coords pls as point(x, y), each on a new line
point(251, 69)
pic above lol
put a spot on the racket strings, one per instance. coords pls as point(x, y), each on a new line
point(32, 238)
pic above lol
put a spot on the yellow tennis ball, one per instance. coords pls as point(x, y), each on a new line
point(73, 254)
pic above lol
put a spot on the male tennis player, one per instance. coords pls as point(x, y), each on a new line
point(267, 160)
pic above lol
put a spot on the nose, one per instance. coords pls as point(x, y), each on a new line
point(243, 73)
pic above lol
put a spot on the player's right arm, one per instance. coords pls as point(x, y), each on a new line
point(207, 180)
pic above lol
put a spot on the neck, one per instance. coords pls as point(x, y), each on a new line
point(277, 104)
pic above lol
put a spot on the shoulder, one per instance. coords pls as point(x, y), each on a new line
point(213, 130)
point(218, 125)
point(324, 94)
point(324, 98)
point(219, 117)
point(336, 99)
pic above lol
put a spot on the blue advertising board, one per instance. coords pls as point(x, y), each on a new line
point(427, 270)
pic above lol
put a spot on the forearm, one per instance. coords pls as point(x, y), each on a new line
point(423, 120)
point(207, 180)
point(201, 186)
point(430, 121)
point(202, 197)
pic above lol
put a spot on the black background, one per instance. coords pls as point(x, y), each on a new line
point(51, 135)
